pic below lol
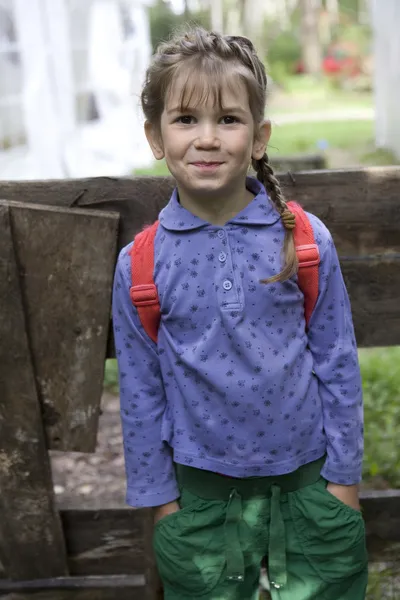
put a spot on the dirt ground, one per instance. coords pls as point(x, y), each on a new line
point(94, 480)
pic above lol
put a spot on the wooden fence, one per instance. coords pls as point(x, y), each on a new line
point(58, 246)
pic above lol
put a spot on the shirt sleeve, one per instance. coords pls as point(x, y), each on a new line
point(148, 460)
point(333, 346)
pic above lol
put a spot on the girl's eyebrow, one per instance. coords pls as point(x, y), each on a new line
point(173, 110)
point(225, 109)
point(233, 109)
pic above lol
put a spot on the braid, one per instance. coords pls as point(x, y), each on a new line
point(266, 175)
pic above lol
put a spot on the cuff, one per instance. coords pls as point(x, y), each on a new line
point(136, 498)
point(341, 477)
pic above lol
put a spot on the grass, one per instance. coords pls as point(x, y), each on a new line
point(301, 138)
point(304, 94)
point(379, 157)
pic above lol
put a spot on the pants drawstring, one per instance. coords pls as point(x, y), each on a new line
point(234, 554)
point(277, 544)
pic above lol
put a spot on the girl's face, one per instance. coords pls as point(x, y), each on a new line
point(208, 148)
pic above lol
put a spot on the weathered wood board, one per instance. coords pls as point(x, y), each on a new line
point(123, 587)
point(112, 542)
point(65, 261)
point(31, 539)
point(106, 542)
point(360, 206)
point(298, 162)
point(373, 285)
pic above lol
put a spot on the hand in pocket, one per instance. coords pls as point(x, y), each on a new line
point(348, 494)
point(166, 509)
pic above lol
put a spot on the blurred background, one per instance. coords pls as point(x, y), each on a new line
point(71, 73)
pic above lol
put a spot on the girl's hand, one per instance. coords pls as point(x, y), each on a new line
point(165, 509)
point(348, 494)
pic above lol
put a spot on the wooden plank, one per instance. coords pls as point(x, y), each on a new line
point(359, 206)
point(121, 587)
point(154, 585)
point(299, 162)
point(105, 542)
point(66, 258)
point(381, 510)
point(373, 284)
point(31, 541)
point(111, 541)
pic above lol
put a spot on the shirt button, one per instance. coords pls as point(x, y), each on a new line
point(227, 285)
point(221, 233)
point(222, 257)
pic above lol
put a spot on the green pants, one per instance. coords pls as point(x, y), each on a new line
point(212, 548)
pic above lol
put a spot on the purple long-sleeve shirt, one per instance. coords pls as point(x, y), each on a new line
point(235, 384)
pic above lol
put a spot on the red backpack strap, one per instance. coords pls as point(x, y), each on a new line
point(308, 256)
point(143, 292)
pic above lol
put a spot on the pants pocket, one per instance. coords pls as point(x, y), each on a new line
point(189, 546)
point(331, 533)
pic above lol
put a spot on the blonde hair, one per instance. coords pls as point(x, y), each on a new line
point(209, 57)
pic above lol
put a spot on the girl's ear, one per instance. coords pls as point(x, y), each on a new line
point(261, 139)
point(154, 138)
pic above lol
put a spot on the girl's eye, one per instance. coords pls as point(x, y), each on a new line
point(229, 120)
point(185, 119)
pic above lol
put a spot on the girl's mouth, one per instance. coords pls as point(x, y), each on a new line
point(206, 166)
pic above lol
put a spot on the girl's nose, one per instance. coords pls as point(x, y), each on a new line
point(207, 138)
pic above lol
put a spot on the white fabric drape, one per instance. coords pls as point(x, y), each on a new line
point(385, 22)
point(114, 51)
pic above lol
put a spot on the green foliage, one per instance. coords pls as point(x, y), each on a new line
point(379, 157)
point(357, 34)
point(163, 21)
point(283, 53)
point(349, 7)
point(383, 582)
point(157, 169)
point(111, 376)
point(381, 384)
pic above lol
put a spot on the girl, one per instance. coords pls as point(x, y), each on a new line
point(242, 426)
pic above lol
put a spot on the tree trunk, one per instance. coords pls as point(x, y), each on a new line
point(217, 15)
point(186, 9)
point(311, 44)
point(332, 6)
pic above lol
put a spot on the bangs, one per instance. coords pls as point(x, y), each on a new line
point(201, 80)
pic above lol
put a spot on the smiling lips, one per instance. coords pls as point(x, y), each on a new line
point(206, 166)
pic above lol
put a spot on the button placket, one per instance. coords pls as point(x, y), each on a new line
point(229, 297)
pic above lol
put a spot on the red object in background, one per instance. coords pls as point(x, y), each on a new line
point(341, 58)
point(338, 60)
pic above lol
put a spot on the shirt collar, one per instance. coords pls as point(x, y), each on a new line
point(260, 211)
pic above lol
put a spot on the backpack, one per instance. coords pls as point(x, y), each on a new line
point(144, 295)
